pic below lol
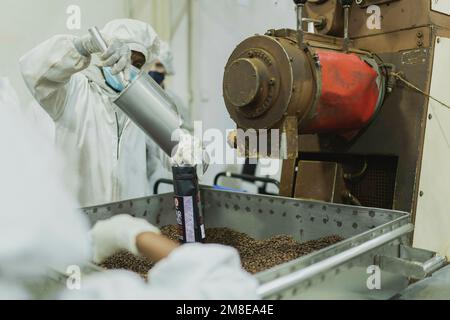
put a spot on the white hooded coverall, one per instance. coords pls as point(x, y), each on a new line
point(100, 143)
point(41, 229)
point(40, 226)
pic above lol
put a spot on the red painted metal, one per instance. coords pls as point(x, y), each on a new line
point(350, 94)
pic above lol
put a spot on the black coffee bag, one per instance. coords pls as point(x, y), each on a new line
point(188, 204)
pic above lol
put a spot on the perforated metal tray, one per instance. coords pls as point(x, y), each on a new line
point(340, 271)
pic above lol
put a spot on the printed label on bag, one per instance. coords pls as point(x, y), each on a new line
point(190, 223)
point(189, 219)
point(180, 218)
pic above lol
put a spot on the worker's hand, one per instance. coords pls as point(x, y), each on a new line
point(117, 234)
point(118, 57)
point(188, 152)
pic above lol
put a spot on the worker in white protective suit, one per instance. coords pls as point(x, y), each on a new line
point(39, 224)
point(49, 232)
point(99, 141)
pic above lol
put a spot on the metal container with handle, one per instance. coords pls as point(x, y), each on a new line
point(147, 105)
point(101, 43)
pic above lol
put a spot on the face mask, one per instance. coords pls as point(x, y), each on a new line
point(157, 76)
point(113, 80)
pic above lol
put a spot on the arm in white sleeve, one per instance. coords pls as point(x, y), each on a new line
point(48, 70)
point(197, 272)
point(191, 272)
point(111, 285)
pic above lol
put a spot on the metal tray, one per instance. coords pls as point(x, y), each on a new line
point(375, 242)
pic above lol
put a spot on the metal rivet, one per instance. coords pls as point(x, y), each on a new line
point(430, 116)
point(421, 193)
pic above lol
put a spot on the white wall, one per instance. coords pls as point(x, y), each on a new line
point(432, 215)
point(219, 26)
point(180, 47)
point(26, 23)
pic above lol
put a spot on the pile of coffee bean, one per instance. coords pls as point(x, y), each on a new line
point(125, 260)
point(256, 255)
point(261, 255)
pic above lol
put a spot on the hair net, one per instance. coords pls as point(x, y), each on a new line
point(139, 36)
point(166, 57)
point(40, 226)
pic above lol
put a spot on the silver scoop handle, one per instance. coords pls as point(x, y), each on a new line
point(101, 43)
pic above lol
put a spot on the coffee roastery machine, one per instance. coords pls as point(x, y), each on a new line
point(359, 93)
point(361, 100)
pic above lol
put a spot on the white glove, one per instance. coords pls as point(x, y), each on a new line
point(188, 152)
point(117, 56)
point(117, 234)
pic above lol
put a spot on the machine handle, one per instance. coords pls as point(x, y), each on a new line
point(346, 4)
point(101, 43)
point(246, 177)
point(299, 5)
point(413, 263)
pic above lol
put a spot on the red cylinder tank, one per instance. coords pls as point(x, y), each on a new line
point(350, 94)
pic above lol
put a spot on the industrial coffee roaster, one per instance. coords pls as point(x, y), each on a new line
point(359, 93)
point(350, 91)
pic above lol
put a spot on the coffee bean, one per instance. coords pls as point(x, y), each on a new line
point(256, 255)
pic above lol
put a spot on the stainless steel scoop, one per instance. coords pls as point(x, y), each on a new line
point(148, 106)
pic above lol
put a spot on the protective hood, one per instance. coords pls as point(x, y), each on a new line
point(139, 36)
point(166, 58)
